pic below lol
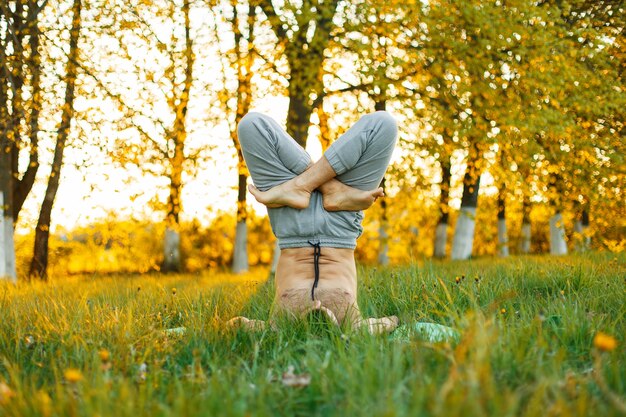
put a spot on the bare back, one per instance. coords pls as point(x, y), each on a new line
point(337, 286)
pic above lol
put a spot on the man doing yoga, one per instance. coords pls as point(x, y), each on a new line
point(315, 211)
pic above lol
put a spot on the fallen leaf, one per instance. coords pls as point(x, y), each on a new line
point(290, 379)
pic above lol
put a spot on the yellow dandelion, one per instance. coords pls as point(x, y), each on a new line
point(104, 355)
point(562, 292)
point(174, 291)
point(503, 311)
point(457, 279)
point(6, 393)
point(45, 403)
point(73, 375)
point(604, 342)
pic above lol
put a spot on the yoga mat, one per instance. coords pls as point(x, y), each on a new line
point(430, 332)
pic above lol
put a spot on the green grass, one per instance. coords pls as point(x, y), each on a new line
point(527, 326)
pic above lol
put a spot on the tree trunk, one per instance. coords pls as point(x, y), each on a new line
point(583, 240)
point(240, 254)
point(464, 231)
point(244, 62)
point(21, 72)
point(298, 114)
point(558, 245)
point(383, 236)
point(7, 248)
point(525, 236)
point(171, 250)
point(39, 264)
point(171, 246)
point(21, 188)
point(380, 103)
point(441, 232)
point(171, 240)
point(305, 58)
point(503, 240)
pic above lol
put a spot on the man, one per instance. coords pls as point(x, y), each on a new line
point(316, 211)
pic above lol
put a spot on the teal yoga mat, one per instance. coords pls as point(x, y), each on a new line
point(430, 332)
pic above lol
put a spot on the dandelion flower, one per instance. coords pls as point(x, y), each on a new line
point(458, 280)
point(73, 375)
point(104, 355)
point(174, 291)
point(604, 342)
point(503, 311)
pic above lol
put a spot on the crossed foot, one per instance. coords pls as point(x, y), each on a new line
point(336, 196)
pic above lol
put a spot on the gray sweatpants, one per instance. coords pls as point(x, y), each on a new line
point(359, 157)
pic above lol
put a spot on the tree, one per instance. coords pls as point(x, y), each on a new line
point(240, 59)
point(20, 106)
point(39, 262)
point(304, 31)
point(152, 91)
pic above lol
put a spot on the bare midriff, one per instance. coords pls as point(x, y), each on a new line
point(336, 289)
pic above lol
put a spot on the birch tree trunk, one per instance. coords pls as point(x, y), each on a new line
point(383, 236)
point(243, 61)
point(39, 263)
point(178, 104)
point(558, 245)
point(525, 235)
point(441, 232)
point(240, 254)
point(20, 74)
point(503, 240)
point(7, 248)
point(171, 249)
point(465, 225)
point(581, 227)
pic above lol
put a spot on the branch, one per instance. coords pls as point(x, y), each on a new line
point(272, 18)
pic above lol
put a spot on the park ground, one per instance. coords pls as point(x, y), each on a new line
point(539, 336)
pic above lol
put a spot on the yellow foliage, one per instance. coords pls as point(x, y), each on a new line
point(115, 245)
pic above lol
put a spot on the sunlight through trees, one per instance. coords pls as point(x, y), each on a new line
point(511, 122)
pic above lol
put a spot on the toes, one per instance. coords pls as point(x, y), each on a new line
point(236, 322)
point(255, 192)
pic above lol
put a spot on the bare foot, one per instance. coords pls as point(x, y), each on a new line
point(245, 323)
point(338, 196)
point(378, 326)
point(286, 194)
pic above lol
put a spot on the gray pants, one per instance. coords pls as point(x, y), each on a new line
point(359, 157)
